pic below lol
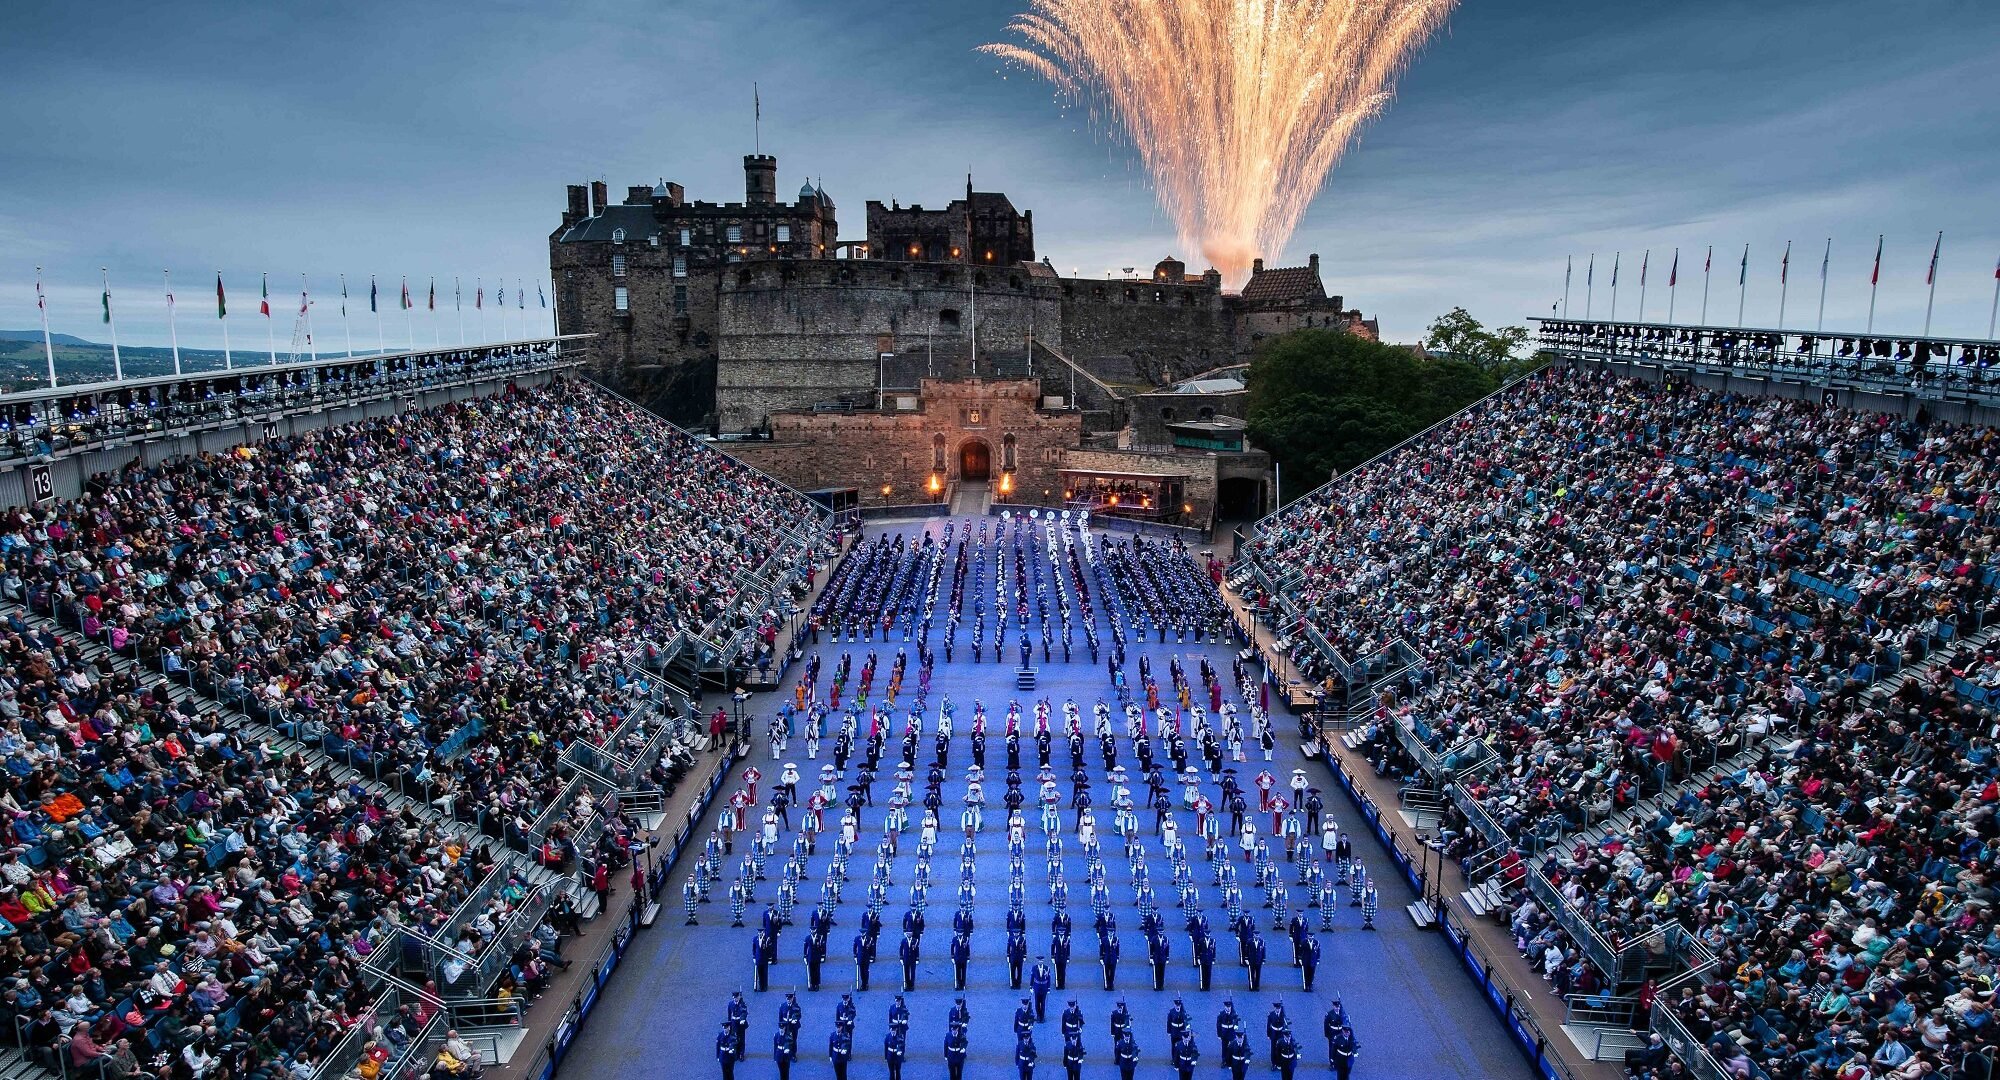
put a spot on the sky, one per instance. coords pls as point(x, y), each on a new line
point(434, 141)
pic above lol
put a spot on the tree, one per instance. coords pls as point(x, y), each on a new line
point(1459, 336)
point(1324, 401)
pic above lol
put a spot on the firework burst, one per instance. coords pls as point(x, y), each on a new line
point(1238, 108)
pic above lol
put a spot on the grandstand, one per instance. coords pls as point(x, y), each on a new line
point(1679, 651)
point(333, 694)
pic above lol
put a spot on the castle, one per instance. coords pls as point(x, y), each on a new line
point(733, 317)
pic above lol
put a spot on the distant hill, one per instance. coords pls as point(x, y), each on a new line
point(23, 366)
point(36, 337)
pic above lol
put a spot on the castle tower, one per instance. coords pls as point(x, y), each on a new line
point(760, 179)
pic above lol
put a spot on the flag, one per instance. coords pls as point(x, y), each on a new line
point(304, 302)
point(541, 295)
point(1569, 267)
point(457, 295)
point(343, 296)
point(406, 295)
point(107, 303)
point(434, 295)
point(1785, 264)
point(170, 295)
point(479, 298)
point(520, 298)
point(1708, 263)
point(1643, 260)
point(1931, 277)
point(1590, 270)
point(757, 101)
point(1743, 271)
point(221, 298)
point(1826, 260)
point(39, 302)
point(264, 301)
point(1674, 274)
point(1614, 270)
point(1875, 275)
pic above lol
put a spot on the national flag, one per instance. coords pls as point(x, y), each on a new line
point(1614, 269)
point(1569, 267)
point(1643, 260)
point(304, 302)
point(221, 298)
point(457, 295)
point(1931, 277)
point(1590, 270)
point(39, 301)
point(1674, 274)
point(343, 296)
point(1743, 271)
point(1785, 264)
point(406, 295)
point(1996, 270)
point(264, 300)
point(1826, 260)
point(107, 304)
point(1708, 263)
point(479, 298)
point(542, 295)
point(434, 295)
point(520, 298)
point(1875, 275)
point(170, 295)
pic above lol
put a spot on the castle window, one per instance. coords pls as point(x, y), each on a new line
point(680, 266)
point(1013, 281)
point(653, 239)
point(618, 236)
point(1167, 413)
point(1131, 295)
point(735, 234)
point(680, 300)
point(948, 317)
point(784, 234)
point(687, 237)
point(979, 280)
point(744, 277)
point(617, 266)
point(621, 299)
point(947, 277)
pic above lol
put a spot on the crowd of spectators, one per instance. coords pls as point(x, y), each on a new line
point(1612, 584)
point(447, 599)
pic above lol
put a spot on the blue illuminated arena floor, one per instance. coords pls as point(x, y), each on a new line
point(1415, 1012)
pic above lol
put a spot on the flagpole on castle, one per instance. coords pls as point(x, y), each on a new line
point(375, 305)
point(173, 337)
point(1931, 279)
point(1589, 283)
point(48, 344)
point(1784, 282)
point(117, 365)
point(1742, 284)
point(1569, 267)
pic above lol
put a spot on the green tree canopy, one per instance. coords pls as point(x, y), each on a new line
point(1457, 335)
point(1325, 401)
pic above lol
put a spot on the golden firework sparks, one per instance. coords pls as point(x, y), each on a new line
point(1239, 108)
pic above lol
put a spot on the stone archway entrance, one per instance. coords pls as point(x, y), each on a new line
point(975, 461)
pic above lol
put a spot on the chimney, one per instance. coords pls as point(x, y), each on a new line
point(639, 195)
point(599, 195)
point(579, 204)
point(676, 194)
point(760, 180)
point(1313, 262)
point(1256, 267)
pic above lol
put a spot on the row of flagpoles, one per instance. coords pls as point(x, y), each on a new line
point(1743, 284)
point(482, 299)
